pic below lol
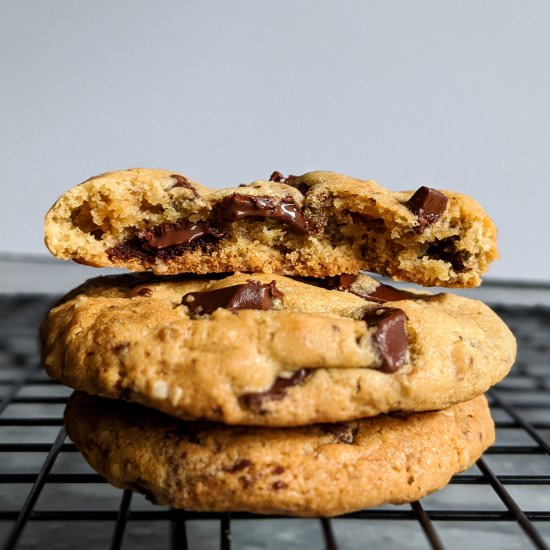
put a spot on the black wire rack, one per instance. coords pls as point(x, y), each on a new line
point(50, 497)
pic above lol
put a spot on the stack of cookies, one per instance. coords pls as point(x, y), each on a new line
point(256, 368)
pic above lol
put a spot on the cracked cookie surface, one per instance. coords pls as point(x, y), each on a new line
point(318, 224)
point(263, 349)
point(315, 470)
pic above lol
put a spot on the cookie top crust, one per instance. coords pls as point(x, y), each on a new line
point(263, 349)
point(318, 224)
point(326, 469)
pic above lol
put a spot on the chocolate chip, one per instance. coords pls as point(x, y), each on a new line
point(340, 282)
point(390, 336)
point(344, 433)
point(446, 250)
point(238, 207)
point(276, 392)
point(289, 180)
point(386, 293)
point(182, 181)
point(239, 465)
point(145, 292)
point(428, 204)
point(278, 485)
point(369, 223)
point(382, 293)
point(250, 295)
point(277, 471)
point(170, 234)
point(277, 177)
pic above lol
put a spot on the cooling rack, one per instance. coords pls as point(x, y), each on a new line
point(50, 497)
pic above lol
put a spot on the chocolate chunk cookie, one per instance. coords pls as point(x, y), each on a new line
point(319, 224)
point(263, 349)
point(315, 470)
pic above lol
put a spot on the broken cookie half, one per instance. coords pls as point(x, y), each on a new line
point(316, 225)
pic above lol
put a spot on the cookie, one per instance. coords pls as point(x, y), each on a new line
point(319, 224)
point(264, 349)
point(319, 470)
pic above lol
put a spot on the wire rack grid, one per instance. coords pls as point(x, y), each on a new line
point(48, 493)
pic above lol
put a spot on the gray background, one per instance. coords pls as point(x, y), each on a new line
point(446, 94)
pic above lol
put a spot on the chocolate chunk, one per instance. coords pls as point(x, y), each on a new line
point(382, 293)
point(278, 470)
point(146, 292)
point(239, 465)
point(386, 293)
point(428, 204)
point(276, 392)
point(289, 180)
point(182, 181)
point(342, 432)
point(251, 295)
point(139, 248)
point(277, 177)
point(369, 223)
point(390, 337)
point(170, 234)
point(447, 251)
point(278, 485)
point(339, 282)
point(237, 207)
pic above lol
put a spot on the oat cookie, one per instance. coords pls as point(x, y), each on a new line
point(314, 470)
point(319, 224)
point(263, 349)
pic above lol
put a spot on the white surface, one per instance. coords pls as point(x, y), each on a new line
point(446, 94)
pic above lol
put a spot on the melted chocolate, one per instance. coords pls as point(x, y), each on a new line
point(428, 204)
point(277, 177)
point(251, 295)
point(289, 180)
point(447, 251)
point(340, 282)
point(237, 207)
point(276, 392)
point(390, 336)
point(166, 241)
point(382, 293)
point(182, 181)
point(386, 293)
point(171, 234)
